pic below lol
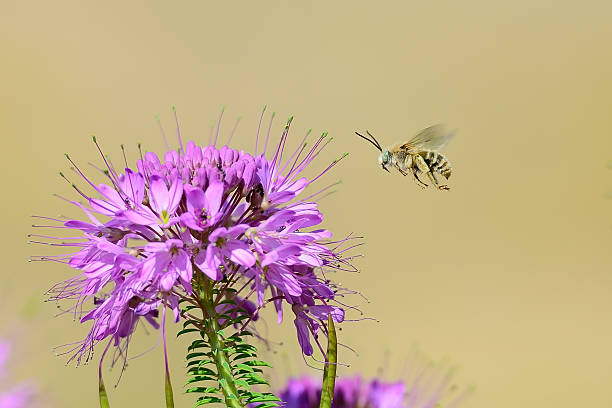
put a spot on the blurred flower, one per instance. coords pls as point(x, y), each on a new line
point(234, 217)
point(19, 396)
point(429, 386)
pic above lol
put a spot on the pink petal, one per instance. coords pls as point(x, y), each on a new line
point(280, 252)
point(195, 198)
point(303, 336)
point(175, 195)
point(213, 194)
point(190, 221)
point(140, 218)
point(103, 207)
point(167, 280)
point(158, 193)
point(111, 195)
point(243, 257)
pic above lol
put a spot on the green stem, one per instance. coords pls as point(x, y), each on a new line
point(101, 389)
point(217, 345)
point(168, 384)
point(329, 373)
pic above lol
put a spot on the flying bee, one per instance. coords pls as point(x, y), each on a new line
point(418, 155)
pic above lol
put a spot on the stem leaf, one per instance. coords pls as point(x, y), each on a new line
point(329, 374)
point(102, 393)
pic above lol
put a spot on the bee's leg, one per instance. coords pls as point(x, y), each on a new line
point(434, 180)
point(415, 173)
point(399, 168)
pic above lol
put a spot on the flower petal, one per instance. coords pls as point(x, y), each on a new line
point(303, 336)
point(158, 194)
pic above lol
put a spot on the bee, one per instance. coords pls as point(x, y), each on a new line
point(418, 155)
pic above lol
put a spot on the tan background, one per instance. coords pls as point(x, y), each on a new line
point(508, 274)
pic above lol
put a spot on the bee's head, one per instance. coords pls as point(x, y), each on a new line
point(384, 159)
point(385, 156)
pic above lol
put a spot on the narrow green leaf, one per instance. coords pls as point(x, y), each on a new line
point(257, 363)
point(196, 344)
point(252, 378)
point(242, 383)
point(245, 368)
point(243, 354)
point(102, 392)
point(185, 331)
point(195, 354)
point(169, 395)
point(262, 397)
point(329, 374)
point(203, 390)
point(197, 378)
point(207, 400)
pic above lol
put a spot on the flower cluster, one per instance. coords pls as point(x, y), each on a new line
point(425, 384)
point(220, 214)
point(427, 390)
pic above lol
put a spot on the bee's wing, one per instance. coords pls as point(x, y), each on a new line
point(431, 138)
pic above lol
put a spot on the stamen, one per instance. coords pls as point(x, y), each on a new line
point(328, 168)
point(124, 156)
point(80, 173)
point(309, 157)
point(258, 128)
point(298, 151)
point(321, 191)
point(218, 125)
point(268, 134)
point(106, 161)
point(178, 130)
point(233, 131)
point(73, 185)
point(161, 128)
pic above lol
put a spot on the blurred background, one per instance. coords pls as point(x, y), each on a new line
point(507, 275)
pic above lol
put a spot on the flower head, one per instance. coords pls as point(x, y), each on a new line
point(233, 218)
point(426, 384)
point(428, 391)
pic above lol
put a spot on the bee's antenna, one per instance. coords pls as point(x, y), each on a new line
point(373, 138)
point(374, 142)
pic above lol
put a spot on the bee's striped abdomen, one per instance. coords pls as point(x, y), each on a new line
point(437, 162)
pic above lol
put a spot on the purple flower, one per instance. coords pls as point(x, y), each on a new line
point(429, 387)
point(202, 206)
point(162, 204)
point(224, 243)
point(167, 262)
point(238, 220)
